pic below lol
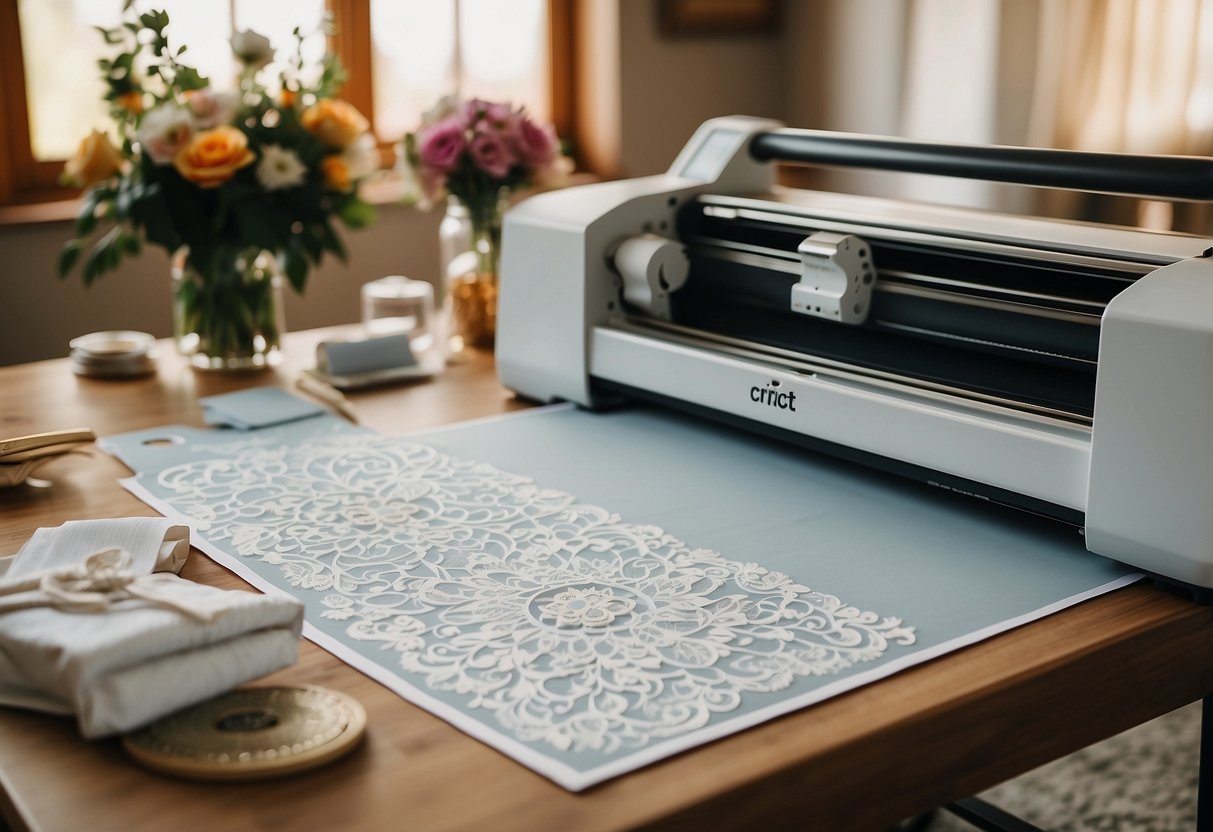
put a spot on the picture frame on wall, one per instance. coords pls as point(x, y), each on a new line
point(689, 18)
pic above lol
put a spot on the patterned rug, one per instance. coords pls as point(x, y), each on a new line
point(1143, 780)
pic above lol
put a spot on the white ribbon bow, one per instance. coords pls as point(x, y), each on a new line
point(94, 585)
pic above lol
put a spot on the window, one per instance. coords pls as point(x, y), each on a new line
point(483, 48)
point(401, 55)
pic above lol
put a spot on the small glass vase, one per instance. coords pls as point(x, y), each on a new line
point(471, 276)
point(232, 317)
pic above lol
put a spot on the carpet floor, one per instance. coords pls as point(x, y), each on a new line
point(1143, 780)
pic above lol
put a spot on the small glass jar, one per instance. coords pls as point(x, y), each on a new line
point(396, 304)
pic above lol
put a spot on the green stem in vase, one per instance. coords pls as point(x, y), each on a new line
point(484, 213)
point(227, 315)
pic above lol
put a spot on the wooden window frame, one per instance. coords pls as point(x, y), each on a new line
point(25, 180)
point(352, 43)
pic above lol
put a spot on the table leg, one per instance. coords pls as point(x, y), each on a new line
point(1204, 793)
point(988, 817)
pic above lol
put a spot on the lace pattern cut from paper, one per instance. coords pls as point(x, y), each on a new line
point(570, 627)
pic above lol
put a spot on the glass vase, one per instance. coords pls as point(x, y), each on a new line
point(471, 275)
point(229, 317)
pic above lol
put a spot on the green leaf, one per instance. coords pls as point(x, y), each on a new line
point(332, 242)
point(188, 79)
point(187, 212)
point(86, 220)
point(156, 20)
point(187, 296)
point(152, 214)
point(357, 214)
point(123, 202)
point(259, 224)
point(313, 244)
point(104, 256)
point(111, 36)
point(68, 256)
point(295, 266)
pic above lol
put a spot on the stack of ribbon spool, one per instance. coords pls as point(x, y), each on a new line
point(118, 354)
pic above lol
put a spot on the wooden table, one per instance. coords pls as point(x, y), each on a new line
point(860, 761)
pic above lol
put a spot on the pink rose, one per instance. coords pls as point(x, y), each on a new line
point(210, 108)
point(440, 145)
point(535, 144)
point(491, 154)
point(165, 131)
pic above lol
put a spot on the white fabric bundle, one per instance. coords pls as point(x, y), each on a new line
point(87, 628)
point(155, 544)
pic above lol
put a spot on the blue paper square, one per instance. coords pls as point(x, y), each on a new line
point(260, 407)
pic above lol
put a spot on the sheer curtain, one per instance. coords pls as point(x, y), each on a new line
point(1131, 76)
point(1110, 75)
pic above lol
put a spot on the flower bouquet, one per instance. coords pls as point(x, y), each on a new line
point(239, 187)
point(479, 152)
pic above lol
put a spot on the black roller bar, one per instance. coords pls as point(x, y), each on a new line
point(1152, 177)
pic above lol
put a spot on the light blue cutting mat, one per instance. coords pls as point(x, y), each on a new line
point(589, 593)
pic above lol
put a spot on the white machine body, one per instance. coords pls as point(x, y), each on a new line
point(588, 274)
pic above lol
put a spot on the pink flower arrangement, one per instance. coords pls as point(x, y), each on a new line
point(477, 149)
point(440, 146)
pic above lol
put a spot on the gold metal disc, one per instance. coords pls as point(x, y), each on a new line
point(251, 733)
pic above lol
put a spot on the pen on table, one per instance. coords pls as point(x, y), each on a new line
point(328, 394)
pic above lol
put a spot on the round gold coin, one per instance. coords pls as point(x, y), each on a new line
point(251, 733)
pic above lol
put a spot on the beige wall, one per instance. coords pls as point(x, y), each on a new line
point(643, 94)
point(672, 85)
point(39, 313)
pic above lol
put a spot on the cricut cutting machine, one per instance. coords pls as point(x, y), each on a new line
point(1060, 367)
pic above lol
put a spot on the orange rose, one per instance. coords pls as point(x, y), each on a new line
point(131, 101)
point(334, 122)
point(96, 159)
point(213, 157)
point(336, 173)
point(287, 97)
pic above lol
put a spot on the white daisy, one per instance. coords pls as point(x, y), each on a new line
point(279, 168)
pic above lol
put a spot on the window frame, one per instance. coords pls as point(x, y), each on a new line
point(24, 180)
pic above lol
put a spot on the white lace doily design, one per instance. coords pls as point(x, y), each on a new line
point(571, 626)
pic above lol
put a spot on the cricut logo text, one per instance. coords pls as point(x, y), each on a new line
point(772, 396)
